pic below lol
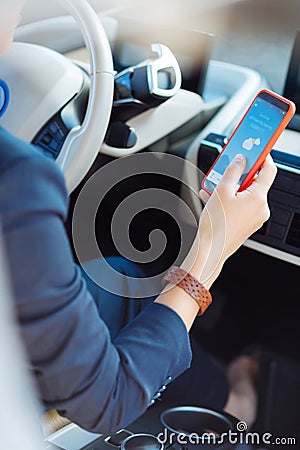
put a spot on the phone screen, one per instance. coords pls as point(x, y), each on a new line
point(250, 138)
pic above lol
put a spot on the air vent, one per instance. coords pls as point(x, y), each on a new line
point(293, 237)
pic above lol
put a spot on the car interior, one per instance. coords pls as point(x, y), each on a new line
point(94, 85)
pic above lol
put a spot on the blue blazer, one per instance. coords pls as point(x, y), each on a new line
point(100, 384)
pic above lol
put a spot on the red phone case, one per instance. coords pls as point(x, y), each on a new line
point(248, 180)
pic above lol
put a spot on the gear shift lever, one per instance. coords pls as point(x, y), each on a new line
point(139, 88)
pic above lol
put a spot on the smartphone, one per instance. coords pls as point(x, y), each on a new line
point(254, 137)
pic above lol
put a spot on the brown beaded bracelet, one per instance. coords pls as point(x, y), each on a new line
point(191, 286)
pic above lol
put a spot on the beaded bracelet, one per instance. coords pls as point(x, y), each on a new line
point(191, 286)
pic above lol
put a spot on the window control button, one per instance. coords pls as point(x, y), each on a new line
point(46, 139)
point(54, 145)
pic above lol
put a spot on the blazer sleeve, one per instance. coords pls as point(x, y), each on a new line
point(99, 384)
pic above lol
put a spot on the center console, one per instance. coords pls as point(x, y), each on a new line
point(160, 428)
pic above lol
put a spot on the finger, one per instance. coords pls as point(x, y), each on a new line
point(234, 172)
point(204, 196)
point(266, 176)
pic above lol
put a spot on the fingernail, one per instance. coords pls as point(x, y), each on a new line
point(238, 159)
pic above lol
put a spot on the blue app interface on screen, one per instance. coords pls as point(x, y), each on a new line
point(250, 139)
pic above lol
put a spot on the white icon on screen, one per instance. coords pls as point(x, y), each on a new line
point(214, 177)
point(248, 144)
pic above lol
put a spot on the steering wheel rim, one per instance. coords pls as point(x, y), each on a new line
point(83, 143)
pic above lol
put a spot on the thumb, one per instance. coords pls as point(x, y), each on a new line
point(234, 172)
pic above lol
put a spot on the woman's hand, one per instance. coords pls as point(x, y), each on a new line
point(229, 218)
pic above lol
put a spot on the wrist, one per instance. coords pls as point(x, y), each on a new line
point(191, 286)
point(205, 258)
point(207, 267)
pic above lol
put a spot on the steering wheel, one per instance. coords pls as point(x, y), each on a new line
point(81, 142)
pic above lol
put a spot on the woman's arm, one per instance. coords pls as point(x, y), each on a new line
point(100, 384)
point(227, 220)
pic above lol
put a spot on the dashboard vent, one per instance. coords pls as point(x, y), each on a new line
point(293, 237)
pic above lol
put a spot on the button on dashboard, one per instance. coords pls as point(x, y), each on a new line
point(281, 216)
point(277, 231)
